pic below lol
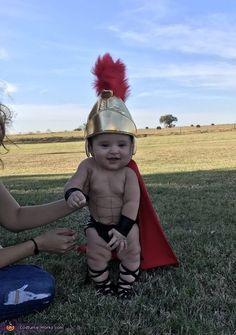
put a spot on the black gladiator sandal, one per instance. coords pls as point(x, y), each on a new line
point(124, 287)
point(105, 286)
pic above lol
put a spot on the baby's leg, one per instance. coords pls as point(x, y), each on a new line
point(129, 265)
point(98, 256)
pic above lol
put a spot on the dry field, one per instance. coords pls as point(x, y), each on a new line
point(57, 153)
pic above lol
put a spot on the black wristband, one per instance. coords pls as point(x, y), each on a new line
point(74, 189)
point(125, 224)
point(36, 249)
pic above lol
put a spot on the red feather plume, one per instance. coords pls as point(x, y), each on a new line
point(111, 76)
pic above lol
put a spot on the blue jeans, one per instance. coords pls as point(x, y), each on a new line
point(24, 289)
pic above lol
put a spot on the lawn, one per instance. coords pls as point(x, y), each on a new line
point(191, 179)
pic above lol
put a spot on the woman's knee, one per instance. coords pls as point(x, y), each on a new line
point(25, 289)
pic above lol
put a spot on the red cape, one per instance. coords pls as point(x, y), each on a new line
point(155, 249)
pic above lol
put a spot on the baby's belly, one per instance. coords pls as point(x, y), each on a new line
point(106, 209)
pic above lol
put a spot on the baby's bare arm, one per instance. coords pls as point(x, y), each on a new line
point(75, 187)
point(79, 178)
point(128, 213)
point(131, 195)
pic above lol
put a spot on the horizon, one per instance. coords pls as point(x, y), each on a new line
point(179, 56)
point(175, 127)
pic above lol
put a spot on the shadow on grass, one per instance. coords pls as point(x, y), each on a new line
point(180, 198)
point(190, 204)
point(197, 212)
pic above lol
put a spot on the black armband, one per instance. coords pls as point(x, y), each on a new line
point(74, 189)
point(125, 224)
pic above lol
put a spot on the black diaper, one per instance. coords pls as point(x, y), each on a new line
point(101, 228)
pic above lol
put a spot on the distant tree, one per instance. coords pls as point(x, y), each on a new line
point(146, 127)
point(168, 120)
point(82, 127)
point(158, 127)
point(198, 126)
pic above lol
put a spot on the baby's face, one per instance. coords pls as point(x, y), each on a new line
point(112, 151)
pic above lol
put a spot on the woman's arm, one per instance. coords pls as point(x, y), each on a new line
point(59, 240)
point(14, 253)
point(16, 218)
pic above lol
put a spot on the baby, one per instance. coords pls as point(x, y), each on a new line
point(112, 191)
point(109, 182)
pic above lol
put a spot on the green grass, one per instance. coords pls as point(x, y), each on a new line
point(191, 180)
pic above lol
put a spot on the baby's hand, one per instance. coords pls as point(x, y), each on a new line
point(118, 241)
point(76, 200)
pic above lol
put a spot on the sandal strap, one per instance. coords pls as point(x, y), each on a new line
point(96, 273)
point(105, 287)
point(124, 292)
point(104, 283)
point(125, 287)
point(127, 272)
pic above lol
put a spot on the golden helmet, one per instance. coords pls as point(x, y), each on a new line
point(110, 114)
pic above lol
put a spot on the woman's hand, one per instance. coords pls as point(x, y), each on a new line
point(59, 240)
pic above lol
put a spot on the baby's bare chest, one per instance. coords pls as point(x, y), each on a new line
point(107, 184)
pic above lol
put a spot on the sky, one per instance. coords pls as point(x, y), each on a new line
point(180, 57)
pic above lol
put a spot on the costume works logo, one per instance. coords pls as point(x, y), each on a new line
point(7, 327)
point(10, 328)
